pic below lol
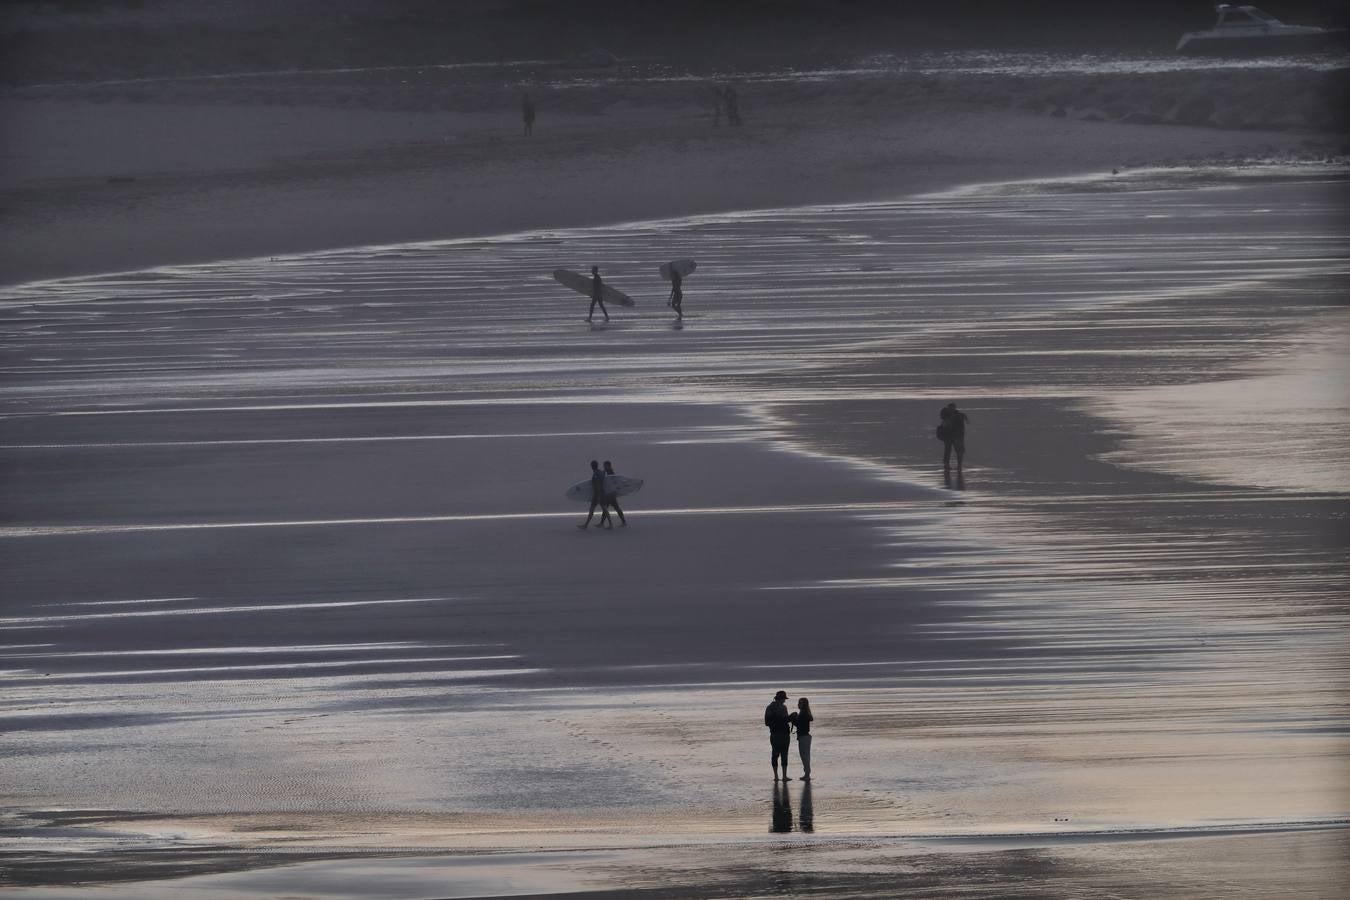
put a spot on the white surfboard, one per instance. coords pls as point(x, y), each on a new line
point(614, 484)
point(582, 285)
point(685, 267)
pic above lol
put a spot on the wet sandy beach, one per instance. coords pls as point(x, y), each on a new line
point(291, 577)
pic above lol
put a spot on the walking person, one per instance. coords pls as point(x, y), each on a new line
point(952, 431)
point(612, 497)
point(597, 294)
point(597, 498)
point(780, 732)
point(527, 113)
point(676, 300)
point(801, 720)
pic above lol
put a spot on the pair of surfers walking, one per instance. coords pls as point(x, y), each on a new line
point(781, 723)
point(675, 301)
point(603, 498)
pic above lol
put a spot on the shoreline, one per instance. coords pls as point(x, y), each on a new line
point(1224, 169)
point(100, 184)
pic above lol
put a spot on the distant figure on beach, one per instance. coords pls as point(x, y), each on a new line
point(780, 732)
point(676, 300)
point(733, 106)
point(801, 720)
point(612, 500)
point(952, 432)
point(597, 499)
point(527, 113)
point(727, 104)
point(597, 294)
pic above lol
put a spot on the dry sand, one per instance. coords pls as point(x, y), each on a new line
point(289, 575)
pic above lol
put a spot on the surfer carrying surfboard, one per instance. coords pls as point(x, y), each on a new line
point(597, 499)
point(612, 496)
point(676, 294)
point(597, 294)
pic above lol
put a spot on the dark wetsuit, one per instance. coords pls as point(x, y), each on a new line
point(597, 296)
point(780, 732)
point(676, 294)
point(955, 437)
point(597, 498)
point(612, 500)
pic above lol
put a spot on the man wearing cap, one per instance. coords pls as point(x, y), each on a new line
point(780, 732)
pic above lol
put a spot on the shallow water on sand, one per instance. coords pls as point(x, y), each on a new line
point(288, 556)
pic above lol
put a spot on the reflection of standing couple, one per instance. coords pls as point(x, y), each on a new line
point(781, 823)
point(780, 723)
point(603, 497)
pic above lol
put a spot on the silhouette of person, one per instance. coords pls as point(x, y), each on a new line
point(780, 732)
point(801, 720)
point(733, 107)
point(806, 820)
point(597, 497)
point(676, 294)
point(953, 432)
point(782, 810)
point(597, 294)
point(527, 113)
point(612, 499)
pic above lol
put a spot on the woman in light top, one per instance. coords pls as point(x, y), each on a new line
point(801, 720)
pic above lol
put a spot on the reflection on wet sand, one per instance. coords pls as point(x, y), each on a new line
point(806, 820)
point(782, 809)
point(782, 821)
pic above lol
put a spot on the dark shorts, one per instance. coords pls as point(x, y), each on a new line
point(780, 740)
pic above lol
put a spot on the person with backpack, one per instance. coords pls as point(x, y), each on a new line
point(780, 732)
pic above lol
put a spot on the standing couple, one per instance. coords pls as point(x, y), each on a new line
point(780, 723)
point(603, 498)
